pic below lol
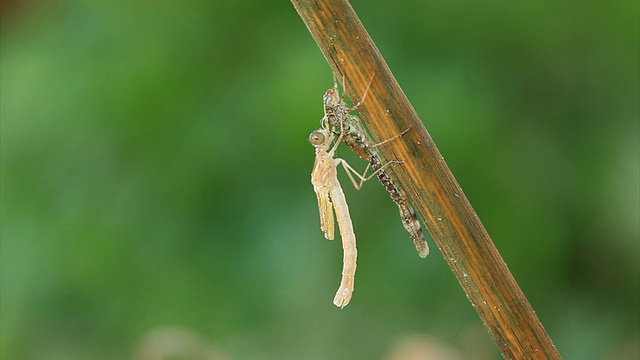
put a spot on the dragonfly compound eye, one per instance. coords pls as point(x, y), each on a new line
point(316, 138)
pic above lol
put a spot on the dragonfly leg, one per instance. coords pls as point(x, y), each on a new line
point(391, 138)
point(363, 177)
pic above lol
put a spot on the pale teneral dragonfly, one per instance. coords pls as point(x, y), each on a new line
point(331, 198)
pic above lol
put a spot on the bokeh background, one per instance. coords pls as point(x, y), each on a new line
point(156, 201)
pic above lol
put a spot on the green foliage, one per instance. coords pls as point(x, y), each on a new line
point(155, 172)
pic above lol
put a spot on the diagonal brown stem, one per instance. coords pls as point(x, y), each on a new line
point(425, 177)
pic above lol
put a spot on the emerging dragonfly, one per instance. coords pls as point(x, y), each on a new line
point(331, 197)
point(348, 128)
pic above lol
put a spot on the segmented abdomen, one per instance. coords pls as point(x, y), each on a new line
point(354, 138)
point(407, 214)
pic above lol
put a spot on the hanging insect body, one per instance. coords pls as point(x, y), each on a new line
point(324, 178)
point(331, 198)
point(339, 122)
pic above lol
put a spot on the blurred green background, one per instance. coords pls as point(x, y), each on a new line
point(156, 200)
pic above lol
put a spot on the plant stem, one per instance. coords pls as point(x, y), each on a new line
point(426, 178)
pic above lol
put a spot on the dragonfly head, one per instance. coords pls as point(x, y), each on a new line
point(319, 137)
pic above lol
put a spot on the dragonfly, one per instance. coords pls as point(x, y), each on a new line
point(347, 127)
point(324, 178)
